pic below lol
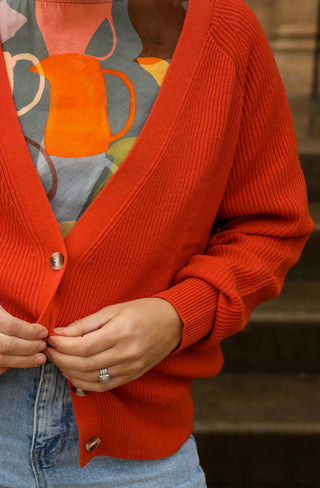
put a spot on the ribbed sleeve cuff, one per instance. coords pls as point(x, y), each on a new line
point(195, 301)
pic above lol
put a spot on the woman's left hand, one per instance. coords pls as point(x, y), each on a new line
point(127, 338)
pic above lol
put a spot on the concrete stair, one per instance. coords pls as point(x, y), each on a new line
point(257, 423)
point(282, 336)
point(259, 429)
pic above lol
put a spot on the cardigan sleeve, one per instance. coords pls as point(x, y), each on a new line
point(263, 220)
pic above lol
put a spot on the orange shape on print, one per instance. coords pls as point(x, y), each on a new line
point(155, 66)
point(78, 123)
point(68, 27)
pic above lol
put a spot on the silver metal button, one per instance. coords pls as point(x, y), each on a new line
point(79, 391)
point(93, 443)
point(56, 261)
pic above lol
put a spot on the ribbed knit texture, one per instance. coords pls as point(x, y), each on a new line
point(208, 211)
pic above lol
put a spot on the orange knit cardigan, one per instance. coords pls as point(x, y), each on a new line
point(208, 211)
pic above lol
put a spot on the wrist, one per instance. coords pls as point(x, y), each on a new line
point(173, 321)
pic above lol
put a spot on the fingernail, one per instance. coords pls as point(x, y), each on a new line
point(58, 329)
point(43, 333)
point(42, 346)
point(40, 359)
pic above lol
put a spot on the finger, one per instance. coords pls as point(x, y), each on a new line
point(87, 324)
point(84, 346)
point(89, 364)
point(10, 361)
point(13, 326)
point(94, 376)
point(10, 345)
point(101, 387)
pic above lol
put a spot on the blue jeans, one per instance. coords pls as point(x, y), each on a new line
point(39, 443)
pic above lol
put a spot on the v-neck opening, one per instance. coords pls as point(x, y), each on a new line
point(142, 156)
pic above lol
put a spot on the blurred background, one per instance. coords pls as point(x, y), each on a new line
point(258, 422)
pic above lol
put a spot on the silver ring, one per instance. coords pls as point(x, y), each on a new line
point(104, 376)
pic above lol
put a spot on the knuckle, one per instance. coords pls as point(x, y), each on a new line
point(88, 365)
point(134, 353)
point(4, 347)
point(125, 331)
point(9, 325)
point(78, 324)
point(1, 358)
point(83, 348)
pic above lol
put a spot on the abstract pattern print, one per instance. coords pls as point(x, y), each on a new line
point(84, 76)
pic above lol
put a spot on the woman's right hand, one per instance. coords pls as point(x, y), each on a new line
point(21, 343)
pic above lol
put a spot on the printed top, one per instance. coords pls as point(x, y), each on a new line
point(84, 76)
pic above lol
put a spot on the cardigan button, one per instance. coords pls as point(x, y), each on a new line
point(93, 443)
point(56, 261)
point(79, 391)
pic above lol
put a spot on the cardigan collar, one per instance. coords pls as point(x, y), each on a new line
point(121, 188)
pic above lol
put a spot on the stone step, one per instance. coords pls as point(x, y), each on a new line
point(310, 163)
point(308, 266)
point(283, 335)
point(306, 117)
point(305, 113)
point(259, 430)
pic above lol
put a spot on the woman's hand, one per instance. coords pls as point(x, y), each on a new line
point(21, 343)
point(128, 339)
